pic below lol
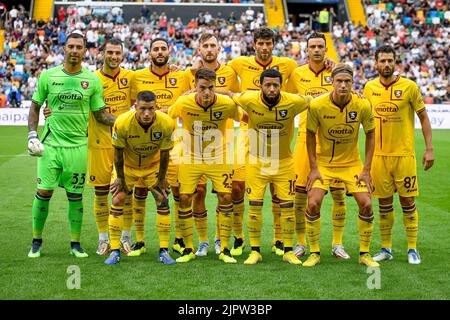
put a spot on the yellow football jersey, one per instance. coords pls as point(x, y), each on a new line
point(249, 70)
point(277, 122)
point(167, 87)
point(226, 78)
point(307, 82)
point(199, 123)
point(393, 109)
point(338, 129)
point(117, 97)
point(142, 145)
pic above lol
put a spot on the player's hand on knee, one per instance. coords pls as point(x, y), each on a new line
point(118, 186)
point(35, 146)
point(365, 177)
point(313, 175)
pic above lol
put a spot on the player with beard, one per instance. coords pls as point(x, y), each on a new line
point(394, 101)
point(168, 86)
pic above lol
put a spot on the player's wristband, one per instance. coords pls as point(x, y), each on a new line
point(32, 134)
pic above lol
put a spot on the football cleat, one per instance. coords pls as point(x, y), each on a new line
point(413, 256)
point(78, 251)
point(312, 260)
point(238, 247)
point(339, 252)
point(366, 259)
point(113, 258)
point(103, 247)
point(278, 248)
point(217, 246)
point(226, 257)
point(35, 251)
point(178, 246)
point(253, 258)
point(202, 249)
point(165, 258)
point(291, 258)
point(384, 254)
point(187, 256)
point(299, 250)
point(137, 249)
point(125, 242)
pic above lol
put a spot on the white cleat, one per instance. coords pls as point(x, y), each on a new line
point(217, 246)
point(384, 254)
point(103, 247)
point(202, 249)
point(413, 256)
point(339, 252)
point(299, 250)
point(126, 244)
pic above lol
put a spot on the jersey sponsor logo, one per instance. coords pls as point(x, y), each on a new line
point(398, 93)
point(386, 108)
point(304, 80)
point(253, 68)
point(341, 131)
point(68, 96)
point(376, 94)
point(283, 113)
point(57, 83)
point(200, 127)
point(145, 148)
point(157, 135)
point(124, 81)
point(217, 114)
point(173, 81)
point(115, 98)
point(258, 113)
point(329, 117)
point(221, 80)
point(193, 114)
point(352, 115)
point(84, 84)
point(315, 90)
point(147, 82)
point(270, 126)
point(131, 136)
point(256, 81)
point(163, 95)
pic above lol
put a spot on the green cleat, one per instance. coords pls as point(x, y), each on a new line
point(187, 256)
point(238, 247)
point(78, 251)
point(137, 249)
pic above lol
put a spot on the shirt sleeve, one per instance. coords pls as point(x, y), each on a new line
point(167, 142)
point(302, 103)
point(118, 134)
point(312, 122)
point(416, 99)
point(367, 119)
point(133, 90)
point(97, 101)
point(174, 110)
point(291, 86)
point(235, 65)
point(41, 93)
point(241, 100)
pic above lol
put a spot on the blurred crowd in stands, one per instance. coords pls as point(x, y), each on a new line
point(420, 30)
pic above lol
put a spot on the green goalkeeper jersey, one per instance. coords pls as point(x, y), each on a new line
point(70, 97)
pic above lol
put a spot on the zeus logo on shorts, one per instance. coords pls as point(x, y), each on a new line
point(249, 190)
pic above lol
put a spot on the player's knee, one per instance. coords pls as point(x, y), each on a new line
point(237, 191)
point(175, 191)
point(141, 192)
point(386, 201)
point(200, 195)
point(314, 204)
point(163, 204)
point(185, 200)
point(365, 205)
point(45, 193)
point(406, 201)
point(224, 198)
point(119, 199)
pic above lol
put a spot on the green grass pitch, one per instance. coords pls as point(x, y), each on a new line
point(207, 277)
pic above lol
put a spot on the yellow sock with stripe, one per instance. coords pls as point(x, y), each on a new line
point(254, 223)
point(386, 224)
point(411, 222)
point(365, 223)
point(101, 210)
point(301, 199)
point(276, 212)
point(217, 235)
point(128, 213)
point(238, 218)
point(313, 231)
point(287, 224)
point(201, 225)
point(139, 203)
point(226, 224)
point(186, 226)
point(115, 223)
point(338, 215)
point(163, 226)
point(176, 205)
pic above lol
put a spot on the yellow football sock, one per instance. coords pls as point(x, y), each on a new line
point(115, 223)
point(163, 225)
point(238, 218)
point(139, 203)
point(128, 212)
point(254, 222)
point(276, 211)
point(313, 231)
point(287, 223)
point(176, 204)
point(217, 235)
point(365, 223)
point(301, 199)
point(386, 224)
point(226, 223)
point(201, 225)
point(338, 215)
point(411, 222)
point(186, 224)
point(101, 210)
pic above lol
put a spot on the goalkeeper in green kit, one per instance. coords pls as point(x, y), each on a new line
point(71, 92)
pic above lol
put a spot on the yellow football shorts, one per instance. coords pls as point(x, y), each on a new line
point(394, 174)
point(100, 166)
point(219, 174)
point(347, 175)
point(279, 172)
point(146, 177)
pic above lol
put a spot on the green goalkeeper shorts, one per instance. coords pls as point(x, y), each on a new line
point(64, 167)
